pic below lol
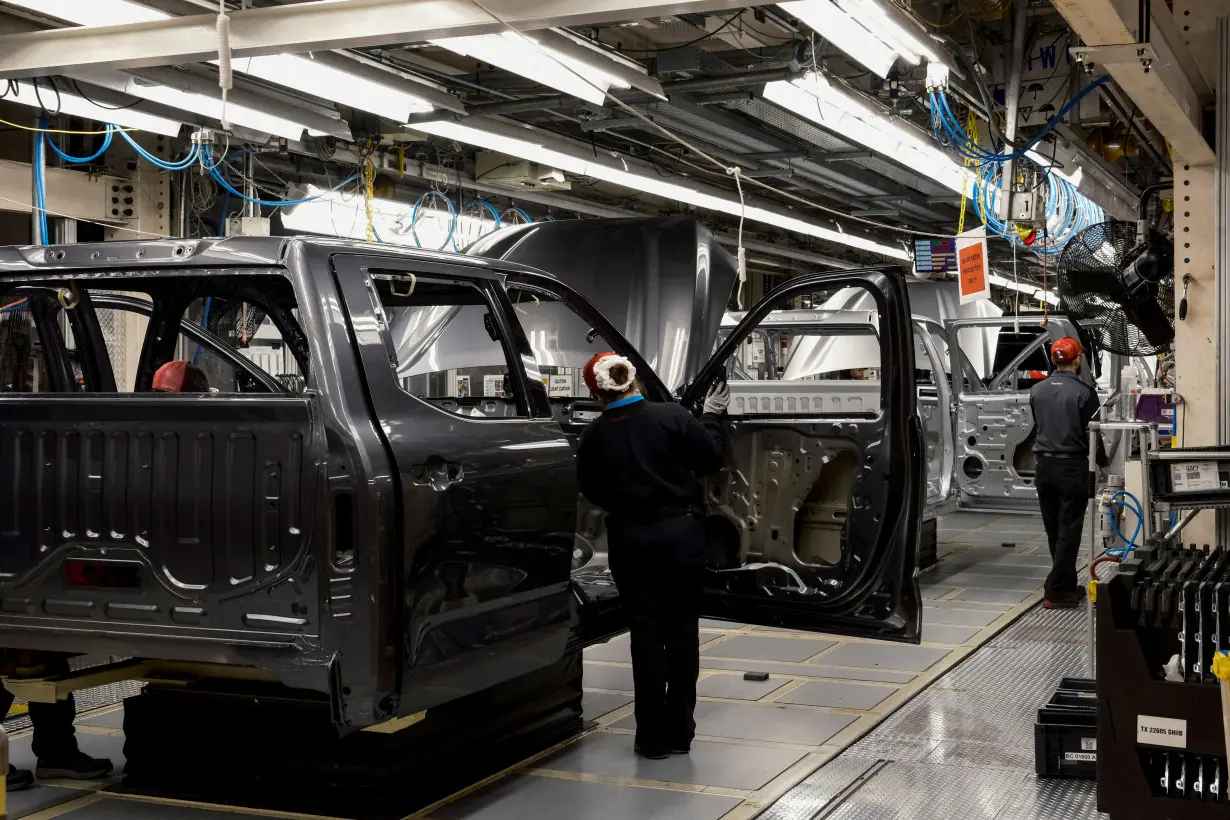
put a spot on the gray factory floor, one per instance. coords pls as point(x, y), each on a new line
point(843, 729)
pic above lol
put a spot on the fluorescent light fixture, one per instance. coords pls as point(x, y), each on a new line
point(516, 53)
point(865, 31)
point(80, 107)
point(1075, 177)
point(291, 70)
point(530, 149)
point(93, 12)
point(813, 97)
point(877, 20)
point(320, 80)
point(333, 214)
point(1026, 288)
point(844, 31)
point(206, 106)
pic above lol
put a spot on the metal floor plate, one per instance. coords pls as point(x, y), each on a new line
point(964, 747)
point(844, 729)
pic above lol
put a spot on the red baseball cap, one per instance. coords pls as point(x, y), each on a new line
point(180, 377)
point(1065, 350)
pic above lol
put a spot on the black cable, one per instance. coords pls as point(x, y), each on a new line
point(38, 96)
point(704, 36)
point(81, 92)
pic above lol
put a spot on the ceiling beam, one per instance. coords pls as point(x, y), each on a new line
point(1155, 70)
point(314, 26)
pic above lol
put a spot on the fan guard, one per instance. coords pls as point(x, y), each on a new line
point(1094, 295)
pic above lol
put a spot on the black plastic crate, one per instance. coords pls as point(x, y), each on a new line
point(1066, 734)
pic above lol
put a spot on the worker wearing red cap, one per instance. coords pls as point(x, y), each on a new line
point(641, 462)
point(1063, 405)
point(180, 377)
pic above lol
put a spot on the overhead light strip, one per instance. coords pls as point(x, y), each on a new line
point(865, 31)
point(77, 106)
point(526, 146)
point(820, 101)
point(538, 62)
point(197, 103)
point(290, 70)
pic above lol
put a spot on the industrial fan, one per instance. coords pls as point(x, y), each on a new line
point(1116, 280)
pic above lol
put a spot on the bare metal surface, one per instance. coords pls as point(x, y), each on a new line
point(964, 747)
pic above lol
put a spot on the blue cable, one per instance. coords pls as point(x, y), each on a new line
point(1133, 507)
point(181, 165)
point(967, 146)
point(414, 217)
point(82, 160)
point(40, 179)
point(221, 180)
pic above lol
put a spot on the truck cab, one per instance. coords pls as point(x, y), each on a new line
point(376, 499)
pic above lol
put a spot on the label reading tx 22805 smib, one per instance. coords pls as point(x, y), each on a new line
point(1160, 731)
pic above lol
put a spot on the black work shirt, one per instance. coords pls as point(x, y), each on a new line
point(1063, 406)
point(641, 461)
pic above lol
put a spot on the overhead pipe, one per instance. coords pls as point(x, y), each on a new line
point(1012, 96)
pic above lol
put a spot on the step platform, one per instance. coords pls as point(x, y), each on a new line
point(271, 749)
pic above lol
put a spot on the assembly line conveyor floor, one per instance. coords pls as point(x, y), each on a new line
point(842, 730)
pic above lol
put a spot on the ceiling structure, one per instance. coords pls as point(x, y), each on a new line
point(566, 108)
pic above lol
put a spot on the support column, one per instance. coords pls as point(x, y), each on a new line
point(1199, 247)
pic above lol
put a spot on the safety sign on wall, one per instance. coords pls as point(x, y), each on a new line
point(974, 275)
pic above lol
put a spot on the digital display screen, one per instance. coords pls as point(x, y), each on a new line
point(935, 255)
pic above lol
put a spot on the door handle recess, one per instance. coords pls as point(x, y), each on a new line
point(437, 474)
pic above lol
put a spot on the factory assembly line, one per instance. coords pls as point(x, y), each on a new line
point(705, 409)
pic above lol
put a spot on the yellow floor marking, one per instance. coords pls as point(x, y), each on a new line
point(99, 730)
point(193, 804)
point(473, 787)
point(587, 777)
point(65, 808)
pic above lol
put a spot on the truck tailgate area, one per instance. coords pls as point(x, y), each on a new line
point(185, 521)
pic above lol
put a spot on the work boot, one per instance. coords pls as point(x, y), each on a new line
point(1068, 599)
point(18, 779)
point(651, 753)
point(75, 766)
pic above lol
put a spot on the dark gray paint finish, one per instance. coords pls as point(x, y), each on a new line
point(367, 592)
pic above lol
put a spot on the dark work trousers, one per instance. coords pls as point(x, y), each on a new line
point(54, 737)
point(657, 568)
point(1063, 495)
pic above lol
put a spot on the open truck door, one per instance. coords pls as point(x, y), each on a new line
point(814, 524)
point(994, 421)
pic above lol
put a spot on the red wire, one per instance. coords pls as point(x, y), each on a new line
point(14, 304)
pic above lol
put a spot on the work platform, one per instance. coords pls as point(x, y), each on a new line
point(843, 728)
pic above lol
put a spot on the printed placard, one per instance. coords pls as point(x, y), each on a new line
point(560, 385)
point(1160, 731)
point(973, 277)
point(1194, 476)
point(493, 386)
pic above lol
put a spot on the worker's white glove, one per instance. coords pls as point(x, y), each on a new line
point(717, 399)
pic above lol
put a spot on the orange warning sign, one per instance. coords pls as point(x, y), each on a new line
point(974, 275)
point(973, 263)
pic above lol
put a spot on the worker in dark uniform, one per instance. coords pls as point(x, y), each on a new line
point(55, 742)
point(1063, 406)
point(640, 461)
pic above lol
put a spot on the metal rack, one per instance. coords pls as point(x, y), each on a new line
point(1161, 750)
